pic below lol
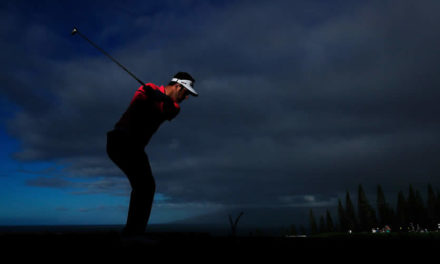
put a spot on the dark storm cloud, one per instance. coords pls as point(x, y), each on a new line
point(361, 110)
point(299, 101)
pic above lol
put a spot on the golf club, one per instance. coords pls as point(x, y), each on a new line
point(75, 31)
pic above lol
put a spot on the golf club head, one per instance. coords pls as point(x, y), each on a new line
point(74, 31)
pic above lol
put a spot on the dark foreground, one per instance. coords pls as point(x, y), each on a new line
point(109, 244)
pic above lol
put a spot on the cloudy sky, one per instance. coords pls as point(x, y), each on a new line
point(299, 102)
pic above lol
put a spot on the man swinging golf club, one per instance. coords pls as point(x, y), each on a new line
point(149, 108)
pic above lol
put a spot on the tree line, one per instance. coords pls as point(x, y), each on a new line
point(410, 212)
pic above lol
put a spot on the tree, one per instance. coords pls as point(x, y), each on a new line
point(322, 225)
point(437, 211)
point(292, 230)
point(329, 222)
point(437, 208)
point(385, 213)
point(420, 211)
point(367, 215)
point(401, 221)
point(313, 225)
point(411, 205)
point(343, 222)
point(350, 213)
point(431, 204)
point(234, 224)
point(302, 230)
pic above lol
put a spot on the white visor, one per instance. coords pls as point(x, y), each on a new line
point(187, 84)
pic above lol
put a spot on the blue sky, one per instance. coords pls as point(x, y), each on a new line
point(299, 102)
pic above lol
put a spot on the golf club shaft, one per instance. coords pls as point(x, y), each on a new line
point(76, 31)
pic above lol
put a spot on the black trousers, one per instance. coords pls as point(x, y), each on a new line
point(133, 161)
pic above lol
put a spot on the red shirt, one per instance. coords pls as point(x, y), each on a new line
point(148, 109)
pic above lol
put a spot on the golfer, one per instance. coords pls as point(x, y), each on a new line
point(149, 108)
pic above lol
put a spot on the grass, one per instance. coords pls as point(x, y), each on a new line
point(325, 245)
point(391, 235)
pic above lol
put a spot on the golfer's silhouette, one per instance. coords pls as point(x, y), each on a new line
point(150, 106)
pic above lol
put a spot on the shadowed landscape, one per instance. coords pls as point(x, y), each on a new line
point(109, 241)
point(359, 230)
